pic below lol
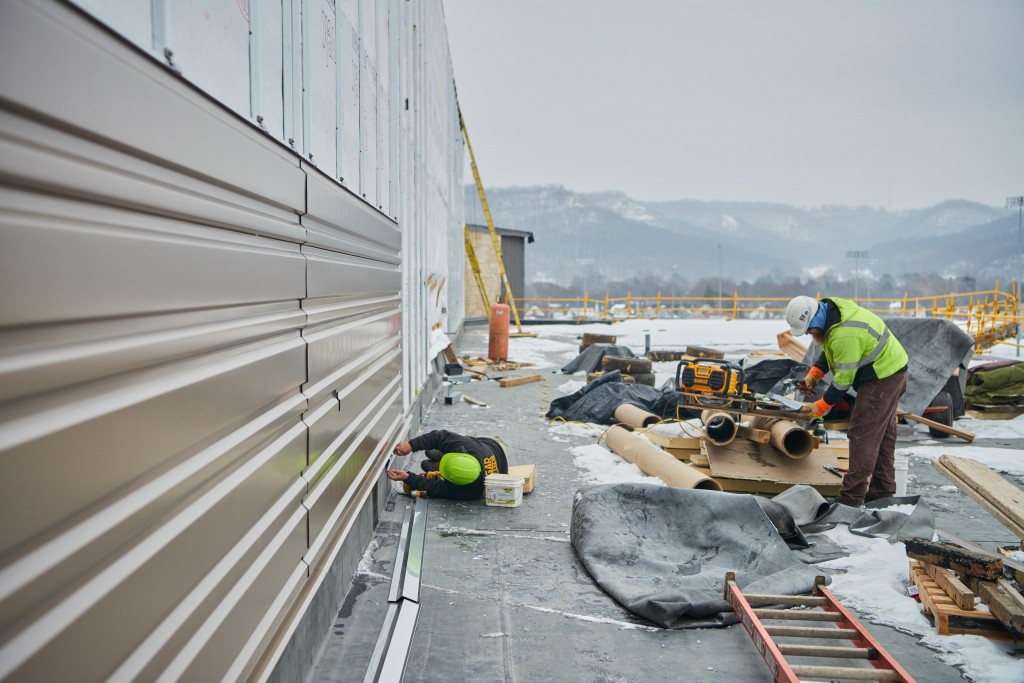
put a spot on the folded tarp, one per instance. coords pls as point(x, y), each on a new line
point(936, 347)
point(597, 401)
point(589, 359)
point(998, 383)
point(662, 553)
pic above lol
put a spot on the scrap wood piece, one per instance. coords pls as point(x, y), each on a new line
point(1000, 498)
point(665, 355)
point(758, 435)
point(789, 345)
point(949, 556)
point(473, 401)
point(966, 436)
point(1005, 603)
point(677, 442)
point(949, 619)
point(516, 381)
point(954, 588)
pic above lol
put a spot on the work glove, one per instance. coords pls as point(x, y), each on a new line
point(810, 382)
point(816, 409)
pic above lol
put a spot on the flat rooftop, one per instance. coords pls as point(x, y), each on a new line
point(504, 596)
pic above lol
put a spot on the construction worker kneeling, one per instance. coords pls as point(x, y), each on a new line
point(455, 466)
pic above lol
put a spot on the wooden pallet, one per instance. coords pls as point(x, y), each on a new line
point(949, 619)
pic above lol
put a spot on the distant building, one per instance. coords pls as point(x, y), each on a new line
point(513, 250)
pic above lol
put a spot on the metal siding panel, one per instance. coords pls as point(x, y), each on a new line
point(334, 274)
point(89, 82)
point(326, 502)
point(114, 609)
point(73, 261)
point(337, 220)
point(334, 346)
point(158, 385)
point(175, 410)
point(56, 162)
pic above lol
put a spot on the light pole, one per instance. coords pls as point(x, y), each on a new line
point(719, 279)
point(856, 256)
point(1019, 203)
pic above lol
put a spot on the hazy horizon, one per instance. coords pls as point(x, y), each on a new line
point(871, 103)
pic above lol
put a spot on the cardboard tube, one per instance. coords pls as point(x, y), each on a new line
point(787, 436)
point(719, 428)
point(656, 462)
point(635, 417)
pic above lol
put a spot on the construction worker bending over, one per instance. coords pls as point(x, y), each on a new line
point(455, 466)
point(864, 354)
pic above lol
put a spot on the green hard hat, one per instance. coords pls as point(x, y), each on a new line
point(459, 468)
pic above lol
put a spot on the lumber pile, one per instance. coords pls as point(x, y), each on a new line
point(953, 581)
point(1000, 498)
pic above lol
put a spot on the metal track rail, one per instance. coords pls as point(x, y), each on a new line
point(387, 663)
point(823, 608)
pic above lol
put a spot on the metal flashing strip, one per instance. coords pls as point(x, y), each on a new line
point(403, 546)
point(387, 663)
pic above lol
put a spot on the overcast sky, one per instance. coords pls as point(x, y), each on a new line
point(893, 103)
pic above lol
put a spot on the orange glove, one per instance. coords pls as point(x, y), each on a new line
point(810, 381)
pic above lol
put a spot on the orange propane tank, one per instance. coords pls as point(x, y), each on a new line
point(497, 345)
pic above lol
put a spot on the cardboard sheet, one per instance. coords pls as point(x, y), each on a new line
point(744, 459)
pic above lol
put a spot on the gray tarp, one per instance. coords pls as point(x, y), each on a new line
point(589, 359)
point(663, 553)
point(936, 348)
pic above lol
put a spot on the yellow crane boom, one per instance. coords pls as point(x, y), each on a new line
point(490, 228)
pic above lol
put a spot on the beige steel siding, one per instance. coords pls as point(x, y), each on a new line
point(200, 367)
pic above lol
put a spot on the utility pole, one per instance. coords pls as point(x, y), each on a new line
point(856, 256)
point(719, 279)
point(1018, 202)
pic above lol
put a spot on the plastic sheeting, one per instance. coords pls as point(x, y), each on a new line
point(662, 553)
point(936, 348)
point(597, 401)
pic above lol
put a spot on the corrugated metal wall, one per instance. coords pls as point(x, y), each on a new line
point(214, 230)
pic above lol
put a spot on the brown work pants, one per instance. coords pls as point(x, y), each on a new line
point(873, 441)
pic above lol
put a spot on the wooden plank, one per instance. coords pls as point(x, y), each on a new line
point(949, 619)
point(1000, 498)
point(516, 381)
point(961, 595)
point(473, 401)
point(758, 435)
point(966, 436)
point(952, 557)
point(1005, 603)
point(666, 441)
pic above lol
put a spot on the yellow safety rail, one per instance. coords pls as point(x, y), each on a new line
point(990, 316)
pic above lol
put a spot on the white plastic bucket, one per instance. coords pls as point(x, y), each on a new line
point(503, 490)
point(901, 467)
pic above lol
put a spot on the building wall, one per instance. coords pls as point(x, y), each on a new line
point(213, 328)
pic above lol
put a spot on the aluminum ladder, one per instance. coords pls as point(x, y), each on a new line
point(822, 608)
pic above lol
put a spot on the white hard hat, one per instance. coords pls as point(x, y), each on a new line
point(799, 313)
